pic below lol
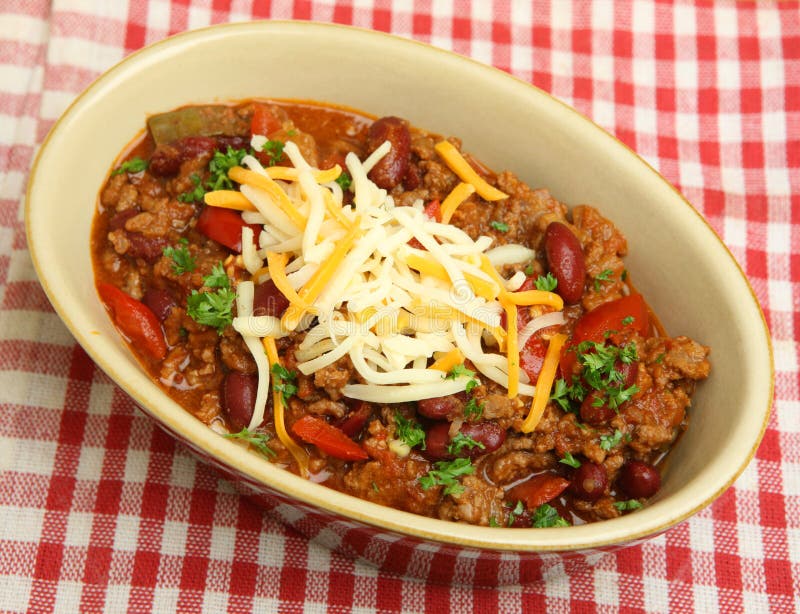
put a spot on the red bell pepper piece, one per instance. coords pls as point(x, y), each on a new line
point(224, 226)
point(538, 490)
point(434, 210)
point(135, 319)
point(328, 438)
point(594, 325)
point(263, 121)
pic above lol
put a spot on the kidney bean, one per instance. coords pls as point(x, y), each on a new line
point(392, 168)
point(233, 141)
point(596, 414)
point(589, 481)
point(146, 248)
point(531, 358)
point(639, 479)
point(441, 408)
point(412, 178)
point(160, 302)
point(268, 300)
point(355, 420)
point(565, 260)
point(194, 146)
point(239, 398)
point(437, 439)
point(165, 161)
point(118, 220)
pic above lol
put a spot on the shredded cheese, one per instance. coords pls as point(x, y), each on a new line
point(537, 297)
point(229, 199)
point(448, 361)
point(276, 264)
point(545, 383)
point(264, 182)
point(456, 162)
point(457, 196)
point(296, 451)
point(287, 173)
point(512, 350)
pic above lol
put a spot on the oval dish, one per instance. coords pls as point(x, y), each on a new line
point(678, 262)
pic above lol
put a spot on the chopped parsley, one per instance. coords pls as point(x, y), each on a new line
point(213, 308)
point(628, 320)
point(134, 165)
point(600, 372)
point(284, 381)
point(344, 180)
point(546, 516)
point(514, 512)
point(604, 275)
point(375, 487)
point(473, 409)
point(630, 504)
point(445, 475)
point(459, 371)
point(493, 522)
point(562, 394)
point(660, 358)
point(547, 282)
point(409, 431)
point(275, 151)
point(195, 195)
point(219, 166)
point(461, 441)
point(570, 460)
point(607, 442)
point(529, 269)
point(499, 226)
point(624, 275)
point(257, 440)
point(182, 261)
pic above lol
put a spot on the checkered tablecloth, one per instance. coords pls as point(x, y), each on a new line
point(100, 510)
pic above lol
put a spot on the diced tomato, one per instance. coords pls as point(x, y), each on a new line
point(352, 424)
point(594, 325)
point(135, 319)
point(264, 121)
point(328, 438)
point(224, 226)
point(538, 490)
point(434, 210)
point(531, 358)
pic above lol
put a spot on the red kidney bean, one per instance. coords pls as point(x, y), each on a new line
point(596, 414)
point(589, 481)
point(441, 408)
point(437, 439)
point(531, 358)
point(565, 260)
point(146, 248)
point(268, 300)
point(392, 168)
point(194, 146)
point(118, 220)
point(160, 302)
point(234, 142)
point(165, 161)
point(412, 178)
point(239, 398)
point(639, 479)
point(354, 421)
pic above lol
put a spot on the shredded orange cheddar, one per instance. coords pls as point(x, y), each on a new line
point(277, 270)
point(229, 199)
point(537, 297)
point(545, 383)
point(456, 162)
point(256, 180)
point(448, 361)
point(288, 173)
point(459, 194)
point(480, 286)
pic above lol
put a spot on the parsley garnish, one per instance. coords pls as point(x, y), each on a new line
point(607, 442)
point(660, 358)
point(213, 308)
point(499, 226)
point(375, 487)
point(219, 166)
point(445, 475)
point(517, 510)
point(600, 373)
point(628, 320)
point(275, 151)
point(461, 441)
point(409, 431)
point(546, 516)
point(182, 260)
point(604, 275)
point(473, 409)
point(630, 504)
point(284, 381)
point(195, 195)
point(344, 180)
point(493, 522)
point(570, 460)
point(547, 282)
point(529, 269)
point(459, 371)
point(563, 394)
point(257, 440)
point(624, 275)
point(134, 165)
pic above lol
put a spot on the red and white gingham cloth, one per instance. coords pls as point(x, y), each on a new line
point(99, 510)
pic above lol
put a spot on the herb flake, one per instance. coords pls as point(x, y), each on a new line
point(409, 431)
point(445, 475)
point(546, 516)
point(257, 440)
point(134, 165)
